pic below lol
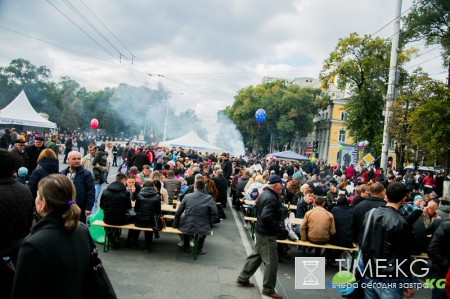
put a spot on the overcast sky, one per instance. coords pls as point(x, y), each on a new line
point(206, 50)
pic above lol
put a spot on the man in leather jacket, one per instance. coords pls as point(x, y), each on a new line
point(438, 252)
point(387, 245)
point(267, 226)
point(374, 200)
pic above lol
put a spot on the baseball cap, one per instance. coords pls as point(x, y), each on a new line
point(273, 179)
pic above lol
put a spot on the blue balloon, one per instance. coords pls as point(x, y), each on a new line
point(260, 115)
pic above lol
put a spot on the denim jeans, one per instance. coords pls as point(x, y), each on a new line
point(98, 188)
point(388, 293)
point(105, 178)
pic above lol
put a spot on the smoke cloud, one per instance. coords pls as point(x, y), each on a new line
point(229, 138)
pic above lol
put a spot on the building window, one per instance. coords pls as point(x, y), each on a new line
point(342, 135)
point(344, 116)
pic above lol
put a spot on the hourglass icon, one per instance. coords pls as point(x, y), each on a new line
point(310, 279)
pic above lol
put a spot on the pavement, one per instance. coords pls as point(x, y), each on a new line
point(169, 272)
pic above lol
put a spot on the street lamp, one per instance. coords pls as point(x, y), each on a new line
point(145, 124)
point(165, 120)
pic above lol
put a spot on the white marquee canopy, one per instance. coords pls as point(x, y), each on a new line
point(20, 113)
point(191, 141)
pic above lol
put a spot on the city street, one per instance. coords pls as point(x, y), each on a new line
point(169, 272)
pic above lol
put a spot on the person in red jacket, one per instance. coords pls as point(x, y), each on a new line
point(428, 183)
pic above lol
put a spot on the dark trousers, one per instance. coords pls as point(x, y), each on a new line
point(65, 156)
point(133, 237)
point(201, 241)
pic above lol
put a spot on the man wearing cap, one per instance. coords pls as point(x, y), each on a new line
point(267, 227)
point(19, 155)
point(51, 144)
point(33, 152)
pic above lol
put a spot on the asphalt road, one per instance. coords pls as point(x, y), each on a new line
point(168, 272)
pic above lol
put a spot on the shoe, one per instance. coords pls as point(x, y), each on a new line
point(245, 283)
point(180, 244)
point(191, 244)
point(285, 255)
point(115, 245)
point(187, 249)
point(201, 251)
point(245, 225)
point(147, 249)
point(157, 236)
point(221, 219)
point(106, 183)
point(272, 295)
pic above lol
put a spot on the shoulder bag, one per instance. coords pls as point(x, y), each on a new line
point(160, 223)
point(97, 285)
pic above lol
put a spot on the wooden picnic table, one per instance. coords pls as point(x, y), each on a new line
point(252, 202)
point(168, 208)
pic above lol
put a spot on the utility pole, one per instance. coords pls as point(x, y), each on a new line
point(390, 91)
point(165, 120)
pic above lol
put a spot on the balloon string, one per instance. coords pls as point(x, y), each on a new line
point(259, 124)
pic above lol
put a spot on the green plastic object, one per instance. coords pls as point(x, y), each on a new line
point(97, 232)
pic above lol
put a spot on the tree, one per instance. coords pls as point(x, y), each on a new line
point(429, 20)
point(429, 122)
point(361, 67)
point(414, 88)
point(290, 111)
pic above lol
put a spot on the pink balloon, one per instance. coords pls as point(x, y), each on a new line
point(94, 124)
point(151, 136)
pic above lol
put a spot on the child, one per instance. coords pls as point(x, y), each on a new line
point(100, 158)
point(252, 196)
point(22, 175)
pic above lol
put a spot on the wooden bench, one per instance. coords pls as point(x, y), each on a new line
point(294, 221)
point(168, 230)
point(309, 244)
point(252, 202)
point(423, 255)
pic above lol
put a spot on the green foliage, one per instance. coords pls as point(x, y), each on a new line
point(429, 20)
point(125, 108)
point(290, 111)
point(360, 65)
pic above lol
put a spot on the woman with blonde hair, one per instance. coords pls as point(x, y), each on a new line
point(57, 248)
point(108, 150)
point(156, 176)
point(47, 164)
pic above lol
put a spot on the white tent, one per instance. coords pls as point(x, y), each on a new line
point(20, 113)
point(191, 141)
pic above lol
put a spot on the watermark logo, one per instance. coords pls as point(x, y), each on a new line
point(343, 283)
point(309, 273)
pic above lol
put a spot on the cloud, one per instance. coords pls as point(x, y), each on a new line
point(222, 45)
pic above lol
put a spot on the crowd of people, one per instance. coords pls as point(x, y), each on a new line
point(333, 202)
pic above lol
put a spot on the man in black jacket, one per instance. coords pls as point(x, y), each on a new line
point(374, 200)
point(438, 252)
point(226, 166)
point(267, 227)
point(68, 149)
point(386, 248)
point(16, 215)
point(115, 201)
point(84, 184)
point(33, 152)
point(222, 188)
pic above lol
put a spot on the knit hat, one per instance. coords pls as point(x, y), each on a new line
point(23, 171)
point(133, 170)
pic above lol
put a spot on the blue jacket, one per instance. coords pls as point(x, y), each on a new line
point(84, 185)
point(45, 168)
